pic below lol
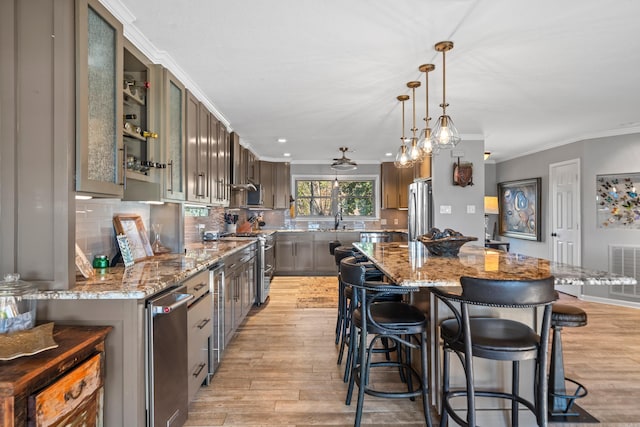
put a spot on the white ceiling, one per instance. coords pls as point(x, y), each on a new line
point(523, 75)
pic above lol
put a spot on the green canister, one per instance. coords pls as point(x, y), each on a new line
point(100, 261)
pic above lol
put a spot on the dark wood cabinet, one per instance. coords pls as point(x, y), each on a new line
point(395, 186)
point(61, 386)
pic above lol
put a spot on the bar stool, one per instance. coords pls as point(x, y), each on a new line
point(374, 320)
point(561, 403)
point(373, 273)
point(496, 339)
point(333, 244)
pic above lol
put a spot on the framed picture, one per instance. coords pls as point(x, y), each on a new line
point(133, 227)
point(519, 209)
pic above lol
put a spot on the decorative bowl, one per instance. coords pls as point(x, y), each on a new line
point(446, 243)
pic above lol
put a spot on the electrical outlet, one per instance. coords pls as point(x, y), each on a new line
point(445, 209)
point(395, 221)
point(383, 221)
point(471, 209)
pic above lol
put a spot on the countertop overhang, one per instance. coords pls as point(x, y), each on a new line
point(410, 264)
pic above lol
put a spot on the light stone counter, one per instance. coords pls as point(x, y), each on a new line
point(149, 276)
point(410, 264)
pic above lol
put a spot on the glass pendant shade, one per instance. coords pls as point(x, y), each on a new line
point(425, 142)
point(445, 134)
point(403, 160)
point(415, 152)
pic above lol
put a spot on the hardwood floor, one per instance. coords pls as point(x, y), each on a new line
point(280, 369)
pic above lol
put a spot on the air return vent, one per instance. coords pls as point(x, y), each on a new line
point(625, 260)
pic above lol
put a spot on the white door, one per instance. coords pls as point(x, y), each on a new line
point(564, 208)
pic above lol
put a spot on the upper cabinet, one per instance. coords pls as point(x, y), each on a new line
point(99, 95)
point(220, 165)
point(173, 136)
point(142, 94)
point(395, 186)
point(275, 180)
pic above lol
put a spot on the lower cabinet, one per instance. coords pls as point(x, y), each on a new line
point(240, 288)
point(61, 386)
point(294, 253)
point(200, 331)
point(307, 252)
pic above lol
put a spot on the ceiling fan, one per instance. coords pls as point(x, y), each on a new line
point(344, 163)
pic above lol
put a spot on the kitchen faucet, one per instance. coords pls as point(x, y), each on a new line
point(336, 222)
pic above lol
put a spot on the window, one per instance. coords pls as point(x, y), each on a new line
point(319, 197)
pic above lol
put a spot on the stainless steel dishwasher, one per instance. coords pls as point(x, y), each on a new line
point(166, 347)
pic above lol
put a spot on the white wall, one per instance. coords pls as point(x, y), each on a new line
point(447, 194)
point(610, 155)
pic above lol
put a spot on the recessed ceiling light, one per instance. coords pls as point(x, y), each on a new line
point(287, 154)
point(282, 140)
point(388, 154)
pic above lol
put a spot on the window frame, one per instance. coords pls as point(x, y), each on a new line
point(332, 177)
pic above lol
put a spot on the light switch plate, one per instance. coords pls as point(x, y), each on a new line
point(383, 221)
point(445, 209)
point(471, 209)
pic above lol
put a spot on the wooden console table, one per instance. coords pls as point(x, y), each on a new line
point(61, 386)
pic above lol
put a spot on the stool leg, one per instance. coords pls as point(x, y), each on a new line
point(424, 362)
point(515, 390)
point(556, 374)
point(445, 387)
point(340, 311)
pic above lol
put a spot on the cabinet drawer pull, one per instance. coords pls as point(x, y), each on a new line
point(200, 368)
point(70, 395)
point(199, 286)
point(203, 323)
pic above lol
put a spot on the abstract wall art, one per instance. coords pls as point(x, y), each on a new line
point(617, 201)
point(519, 207)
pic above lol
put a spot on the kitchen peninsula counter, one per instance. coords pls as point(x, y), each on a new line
point(410, 264)
point(149, 276)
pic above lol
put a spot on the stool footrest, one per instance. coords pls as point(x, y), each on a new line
point(581, 391)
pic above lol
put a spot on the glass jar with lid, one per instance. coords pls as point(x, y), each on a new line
point(17, 304)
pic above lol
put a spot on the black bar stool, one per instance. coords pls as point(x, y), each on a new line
point(472, 337)
point(561, 403)
point(376, 320)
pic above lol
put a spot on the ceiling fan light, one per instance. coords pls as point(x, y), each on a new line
point(344, 166)
point(445, 135)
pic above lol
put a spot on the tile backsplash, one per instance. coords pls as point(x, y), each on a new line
point(94, 224)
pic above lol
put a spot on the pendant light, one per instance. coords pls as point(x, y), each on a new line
point(415, 153)
point(402, 158)
point(445, 134)
point(425, 142)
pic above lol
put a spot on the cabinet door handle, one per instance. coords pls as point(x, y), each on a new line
point(124, 166)
point(203, 323)
point(200, 368)
point(170, 164)
point(71, 395)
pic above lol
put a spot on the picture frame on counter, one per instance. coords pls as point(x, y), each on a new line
point(132, 227)
point(519, 209)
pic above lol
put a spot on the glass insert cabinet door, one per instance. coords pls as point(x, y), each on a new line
point(174, 103)
point(99, 94)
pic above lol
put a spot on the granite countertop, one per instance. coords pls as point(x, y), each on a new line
point(410, 264)
point(151, 275)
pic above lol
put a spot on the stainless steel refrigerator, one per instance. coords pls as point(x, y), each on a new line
point(420, 218)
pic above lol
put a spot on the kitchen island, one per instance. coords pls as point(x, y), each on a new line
point(409, 264)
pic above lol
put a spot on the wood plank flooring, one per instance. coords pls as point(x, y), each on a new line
point(280, 369)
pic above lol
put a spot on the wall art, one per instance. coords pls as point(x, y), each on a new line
point(617, 201)
point(519, 207)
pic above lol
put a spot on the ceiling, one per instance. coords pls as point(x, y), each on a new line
point(523, 75)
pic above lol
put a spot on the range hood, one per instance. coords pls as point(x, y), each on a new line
point(243, 187)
